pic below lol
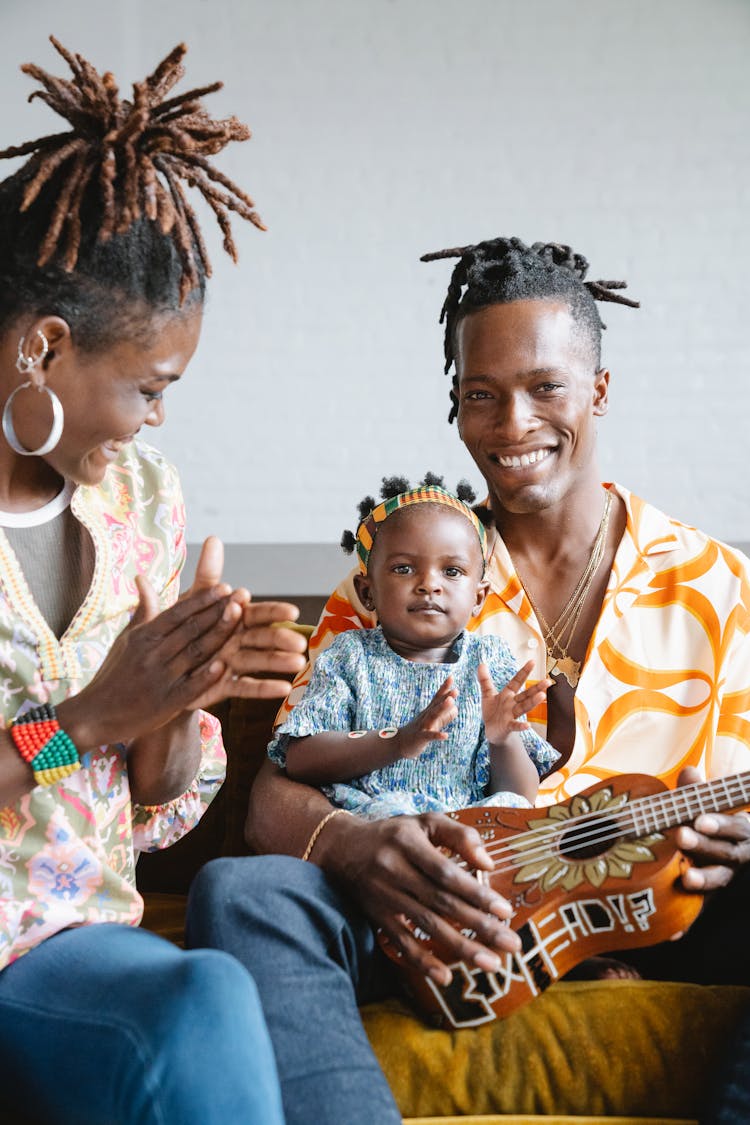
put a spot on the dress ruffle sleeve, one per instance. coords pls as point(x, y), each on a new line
point(159, 826)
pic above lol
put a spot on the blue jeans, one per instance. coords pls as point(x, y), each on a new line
point(111, 1024)
point(315, 959)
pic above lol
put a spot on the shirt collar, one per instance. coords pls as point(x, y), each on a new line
point(648, 533)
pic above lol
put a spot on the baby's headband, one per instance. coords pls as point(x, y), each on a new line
point(431, 491)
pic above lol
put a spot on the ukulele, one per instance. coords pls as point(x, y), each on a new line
point(597, 873)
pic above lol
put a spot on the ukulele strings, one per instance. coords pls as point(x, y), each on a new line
point(596, 827)
point(599, 824)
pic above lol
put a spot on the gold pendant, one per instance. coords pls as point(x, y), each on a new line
point(564, 666)
point(571, 669)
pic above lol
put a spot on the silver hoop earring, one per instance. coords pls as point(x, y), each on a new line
point(27, 363)
point(57, 423)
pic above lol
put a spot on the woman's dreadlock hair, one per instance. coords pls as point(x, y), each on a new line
point(394, 486)
point(501, 270)
point(97, 219)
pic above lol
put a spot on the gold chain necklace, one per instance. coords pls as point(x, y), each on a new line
point(559, 636)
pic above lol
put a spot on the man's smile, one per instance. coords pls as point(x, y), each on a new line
point(522, 460)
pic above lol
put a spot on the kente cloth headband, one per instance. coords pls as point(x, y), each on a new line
point(431, 495)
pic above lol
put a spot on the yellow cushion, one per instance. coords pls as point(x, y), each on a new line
point(628, 1048)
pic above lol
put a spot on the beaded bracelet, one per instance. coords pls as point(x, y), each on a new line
point(42, 743)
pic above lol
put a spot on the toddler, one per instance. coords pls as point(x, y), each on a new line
point(419, 714)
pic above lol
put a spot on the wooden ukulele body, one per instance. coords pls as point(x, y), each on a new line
point(576, 891)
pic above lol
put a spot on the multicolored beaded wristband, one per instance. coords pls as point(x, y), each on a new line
point(42, 743)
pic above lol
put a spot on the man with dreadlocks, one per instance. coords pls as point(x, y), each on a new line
point(105, 750)
point(642, 623)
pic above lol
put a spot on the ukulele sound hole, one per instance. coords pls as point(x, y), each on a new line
point(589, 839)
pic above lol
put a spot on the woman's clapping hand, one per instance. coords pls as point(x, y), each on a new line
point(209, 645)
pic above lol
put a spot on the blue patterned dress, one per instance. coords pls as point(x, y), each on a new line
point(360, 683)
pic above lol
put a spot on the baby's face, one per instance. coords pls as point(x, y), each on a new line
point(425, 578)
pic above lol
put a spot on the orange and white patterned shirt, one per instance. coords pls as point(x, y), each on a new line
point(68, 852)
point(666, 679)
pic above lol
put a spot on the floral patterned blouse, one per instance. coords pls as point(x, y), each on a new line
point(68, 852)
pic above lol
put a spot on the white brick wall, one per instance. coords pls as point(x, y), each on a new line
point(384, 128)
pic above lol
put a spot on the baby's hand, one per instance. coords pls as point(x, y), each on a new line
point(505, 711)
point(428, 726)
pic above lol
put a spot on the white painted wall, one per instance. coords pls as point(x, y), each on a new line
point(384, 128)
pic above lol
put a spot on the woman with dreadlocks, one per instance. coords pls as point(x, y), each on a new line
point(105, 749)
point(640, 621)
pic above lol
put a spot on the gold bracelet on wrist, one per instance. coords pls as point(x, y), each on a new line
point(313, 839)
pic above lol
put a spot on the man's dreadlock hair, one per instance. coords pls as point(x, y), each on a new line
point(96, 224)
point(394, 486)
point(501, 270)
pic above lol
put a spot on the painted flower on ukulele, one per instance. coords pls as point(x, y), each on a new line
point(547, 854)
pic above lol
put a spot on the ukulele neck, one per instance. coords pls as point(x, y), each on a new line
point(674, 807)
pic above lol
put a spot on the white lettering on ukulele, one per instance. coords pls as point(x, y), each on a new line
point(467, 1000)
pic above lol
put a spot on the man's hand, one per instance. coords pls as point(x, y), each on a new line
point(717, 844)
point(396, 870)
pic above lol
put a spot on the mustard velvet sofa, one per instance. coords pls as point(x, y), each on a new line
point(584, 1052)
